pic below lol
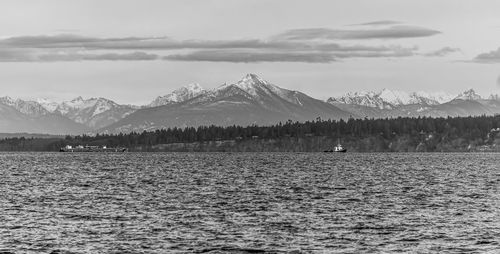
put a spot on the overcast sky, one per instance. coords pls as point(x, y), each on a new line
point(132, 51)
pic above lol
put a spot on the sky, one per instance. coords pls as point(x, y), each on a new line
point(132, 51)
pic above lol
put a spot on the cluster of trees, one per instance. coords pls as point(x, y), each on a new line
point(467, 129)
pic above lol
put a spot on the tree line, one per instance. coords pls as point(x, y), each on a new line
point(476, 129)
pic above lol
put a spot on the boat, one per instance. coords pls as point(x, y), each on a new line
point(337, 149)
point(81, 148)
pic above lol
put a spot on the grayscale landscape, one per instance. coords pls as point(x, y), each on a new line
point(239, 126)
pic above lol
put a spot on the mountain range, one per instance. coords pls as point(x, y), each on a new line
point(251, 100)
point(388, 103)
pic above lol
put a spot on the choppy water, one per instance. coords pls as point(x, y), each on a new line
point(249, 203)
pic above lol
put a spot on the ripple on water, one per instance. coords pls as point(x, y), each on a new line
point(249, 203)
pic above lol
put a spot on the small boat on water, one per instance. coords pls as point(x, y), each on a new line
point(101, 149)
point(337, 149)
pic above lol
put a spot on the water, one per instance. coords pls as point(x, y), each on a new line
point(249, 203)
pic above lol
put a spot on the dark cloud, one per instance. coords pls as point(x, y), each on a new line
point(392, 52)
point(167, 44)
point(61, 41)
point(248, 57)
point(143, 43)
point(443, 52)
point(135, 56)
point(394, 32)
point(379, 23)
point(297, 39)
point(489, 57)
point(15, 55)
point(239, 56)
point(302, 45)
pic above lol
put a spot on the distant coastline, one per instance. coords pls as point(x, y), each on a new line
point(458, 134)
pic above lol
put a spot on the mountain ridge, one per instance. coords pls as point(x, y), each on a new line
point(179, 95)
point(250, 100)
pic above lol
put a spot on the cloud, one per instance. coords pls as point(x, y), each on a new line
point(61, 41)
point(394, 32)
point(70, 48)
point(134, 56)
point(443, 51)
point(249, 57)
point(245, 56)
point(498, 81)
point(489, 57)
point(390, 52)
point(142, 43)
point(16, 55)
point(315, 45)
point(164, 43)
point(378, 23)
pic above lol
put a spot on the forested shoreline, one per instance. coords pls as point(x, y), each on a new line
point(422, 134)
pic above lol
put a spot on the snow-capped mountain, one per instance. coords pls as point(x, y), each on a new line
point(439, 97)
point(469, 95)
point(94, 112)
point(49, 105)
point(251, 100)
point(388, 103)
point(388, 99)
point(17, 115)
point(182, 94)
point(31, 108)
point(252, 88)
point(398, 98)
point(369, 99)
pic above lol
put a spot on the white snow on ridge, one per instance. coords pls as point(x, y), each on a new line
point(7, 101)
point(440, 97)
point(49, 105)
point(469, 95)
point(254, 87)
point(102, 106)
point(387, 98)
point(26, 107)
point(79, 103)
point(182, 94)
point(395, 97)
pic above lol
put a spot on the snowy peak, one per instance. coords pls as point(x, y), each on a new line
point(182, 94)
point(250, 100)
point(251, 80)
point(49, 105)
point(80, 103)
point(395, 97)
point(251, 87)
point(92, 106)
point(93, 112)
point(437, 97)
point(31, 108)
point(6, 100)
point(250, 83)
point(369, 99)
point(387, 99)
point(102, 105)
point(256, 89)
point(469, 95)
point(194, 88)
